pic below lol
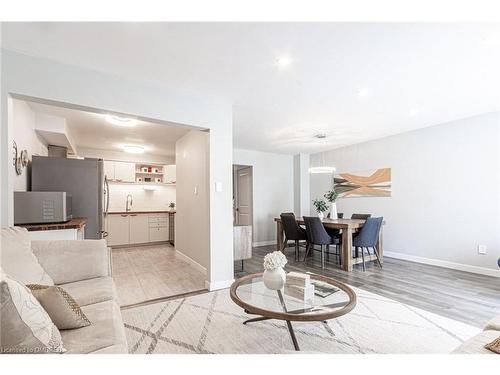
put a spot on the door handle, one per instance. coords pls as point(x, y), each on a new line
point(123, 215)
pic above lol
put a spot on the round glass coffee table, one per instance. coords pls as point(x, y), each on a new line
point(331, 299)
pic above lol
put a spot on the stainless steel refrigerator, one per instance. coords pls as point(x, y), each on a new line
point(83, 179)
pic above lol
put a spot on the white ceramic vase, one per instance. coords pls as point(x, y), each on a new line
point(274, 279)
point(321, 215)
point(333, 210)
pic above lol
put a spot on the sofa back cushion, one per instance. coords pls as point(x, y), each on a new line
point(17, 259)
point(25, 325)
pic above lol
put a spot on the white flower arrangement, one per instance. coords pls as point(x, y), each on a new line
point(274, 260)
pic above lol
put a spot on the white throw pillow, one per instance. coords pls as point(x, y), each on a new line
point(17, 259)
point(24, 325)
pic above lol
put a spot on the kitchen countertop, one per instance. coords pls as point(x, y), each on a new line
point(76, 223)
point(141, 212)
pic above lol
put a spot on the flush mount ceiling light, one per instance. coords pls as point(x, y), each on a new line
point(363, 92)
point(283, 62)
point(133, 149)
point(121, 121)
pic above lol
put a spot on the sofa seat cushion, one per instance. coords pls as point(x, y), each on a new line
point(493, 324)
point(476, 344)
point(88, 292)
point(18, 260)
point(105, 335)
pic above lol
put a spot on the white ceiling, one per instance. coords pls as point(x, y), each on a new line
point(444, 71)
point(91, 130)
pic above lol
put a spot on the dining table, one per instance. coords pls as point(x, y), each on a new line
point(347, 228)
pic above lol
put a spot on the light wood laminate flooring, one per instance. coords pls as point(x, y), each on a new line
point(463, 296)
point(149, 272)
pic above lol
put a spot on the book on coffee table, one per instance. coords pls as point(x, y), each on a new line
point(305, 294)
point(323, 289)
point(298, 279)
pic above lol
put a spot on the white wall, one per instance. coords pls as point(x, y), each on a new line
point(191, 220)
point(301, 184)
point(24, 75)
point(143, 200)
point(445, 199)
point(272, 190)
point(26, 138)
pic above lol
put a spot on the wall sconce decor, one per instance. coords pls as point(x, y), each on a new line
point(19, 159)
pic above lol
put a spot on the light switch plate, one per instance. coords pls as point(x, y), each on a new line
point(218, 186)
point(481, 249)
point(196, 190)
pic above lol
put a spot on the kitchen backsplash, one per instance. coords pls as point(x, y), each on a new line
point(143, 200)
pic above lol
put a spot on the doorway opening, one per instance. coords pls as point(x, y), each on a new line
point(242, 214)
point(126, 187)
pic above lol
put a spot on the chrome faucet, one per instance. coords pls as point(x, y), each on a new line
point(129, 202)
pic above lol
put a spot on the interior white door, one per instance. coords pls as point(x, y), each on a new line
point(139, 228)
point(124, 172)
point(244, 196)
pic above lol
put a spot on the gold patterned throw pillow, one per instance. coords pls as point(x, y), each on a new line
point(61, 307)
point(24, 325)
point(494, 346)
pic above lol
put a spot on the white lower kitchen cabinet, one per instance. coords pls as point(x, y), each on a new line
point(158, 234)
point(118, 230)
point(139, 228)
point(131, 229)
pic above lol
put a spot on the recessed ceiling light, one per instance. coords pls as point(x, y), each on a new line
point(413, 112)
point(283, 62)
point(120, 121)
point(133, 149)
point(363, 92)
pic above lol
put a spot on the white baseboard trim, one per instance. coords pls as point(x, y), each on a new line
point(216, 285)
point(263, 243)
point(443, 263)
point(194, 263)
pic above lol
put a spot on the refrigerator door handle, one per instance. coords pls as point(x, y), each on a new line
point(107, 194)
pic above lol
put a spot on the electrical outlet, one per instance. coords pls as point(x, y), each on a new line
point(481, 249)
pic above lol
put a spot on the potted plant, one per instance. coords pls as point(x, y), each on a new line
point(321, 207)
point(274, 276)
point(171, 206)
point(331, 196)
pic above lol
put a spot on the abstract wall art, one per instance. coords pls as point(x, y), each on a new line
point(371, 183)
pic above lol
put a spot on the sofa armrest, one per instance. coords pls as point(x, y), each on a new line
point(73, 260)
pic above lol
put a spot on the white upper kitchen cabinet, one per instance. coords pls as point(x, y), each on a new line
point(109, 169)
point(124, 172)
point(169, 173)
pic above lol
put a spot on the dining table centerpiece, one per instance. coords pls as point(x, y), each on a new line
point(274, 275)
point(321, 207)
point(331, 196)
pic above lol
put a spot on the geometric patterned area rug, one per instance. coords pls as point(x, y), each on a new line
point(212, 323)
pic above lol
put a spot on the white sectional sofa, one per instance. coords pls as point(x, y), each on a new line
point(84, 270)
point(476, 344)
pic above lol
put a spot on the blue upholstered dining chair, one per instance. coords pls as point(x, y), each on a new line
point(317, 235)
point(293, 232)
point(368, 237)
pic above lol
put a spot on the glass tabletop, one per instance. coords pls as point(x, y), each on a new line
point(327, 299)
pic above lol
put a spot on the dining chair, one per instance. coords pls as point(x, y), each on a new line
point(317, 235)
point(368, 237)
point(293, 232)
point(361, 216)
point(340, 215)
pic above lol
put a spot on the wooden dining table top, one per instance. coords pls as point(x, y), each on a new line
point(335, 223)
